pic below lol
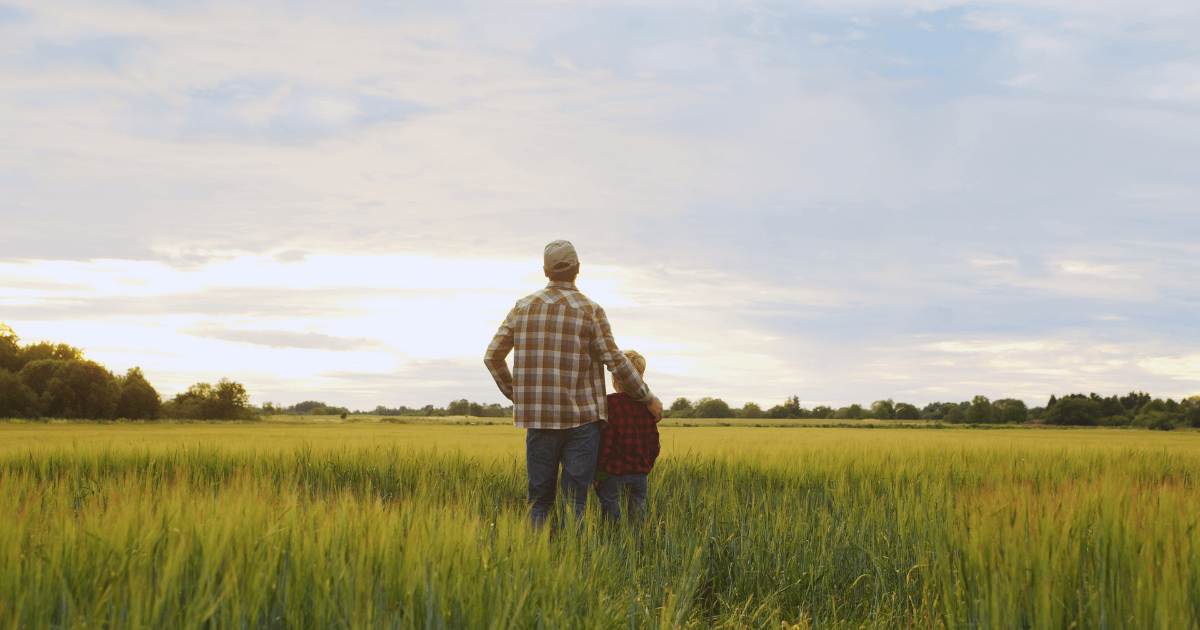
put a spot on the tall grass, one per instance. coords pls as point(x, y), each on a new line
point(864, 532)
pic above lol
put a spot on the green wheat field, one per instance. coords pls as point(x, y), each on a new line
point(379, 525)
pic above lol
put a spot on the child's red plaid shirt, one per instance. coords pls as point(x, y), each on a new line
point(630, 443)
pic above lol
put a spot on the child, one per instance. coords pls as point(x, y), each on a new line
point(628, 448)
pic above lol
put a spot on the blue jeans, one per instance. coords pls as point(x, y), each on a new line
point(575, 449)
point(610, 490)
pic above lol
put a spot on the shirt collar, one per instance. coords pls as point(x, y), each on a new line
point(560, 284)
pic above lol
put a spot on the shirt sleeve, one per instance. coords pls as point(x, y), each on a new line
point(498, 351)
point(605, 347)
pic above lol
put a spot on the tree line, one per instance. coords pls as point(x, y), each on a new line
point(461, 407)
point(1136, 409)
point(47, 380)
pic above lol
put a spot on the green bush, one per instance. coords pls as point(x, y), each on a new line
point(1162, 421)
point(1119, 420)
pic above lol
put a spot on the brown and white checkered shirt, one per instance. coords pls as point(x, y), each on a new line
point(561, 340)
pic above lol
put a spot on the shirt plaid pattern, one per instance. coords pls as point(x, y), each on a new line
point(630, 443)
point(560, 342)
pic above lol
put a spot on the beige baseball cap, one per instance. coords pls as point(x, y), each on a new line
point(559, 256)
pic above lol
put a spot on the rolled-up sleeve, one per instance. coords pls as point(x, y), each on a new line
point(605, 347)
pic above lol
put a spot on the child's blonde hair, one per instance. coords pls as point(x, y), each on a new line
point(639, 364)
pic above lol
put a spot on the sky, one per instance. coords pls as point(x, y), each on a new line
point(842, 201)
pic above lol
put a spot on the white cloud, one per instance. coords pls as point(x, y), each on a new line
point(1180, 368)
point(564, 62)
point(995, 22)
point(759, 203)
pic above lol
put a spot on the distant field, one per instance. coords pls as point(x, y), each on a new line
point(372, 524)
point(473, 436)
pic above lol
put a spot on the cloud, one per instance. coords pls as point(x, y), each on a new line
point(291, 256)
point(1181, 368)
point(994, 22)
point(280, 338)
point(778, 215)
point(264, 302)
point(38, 284)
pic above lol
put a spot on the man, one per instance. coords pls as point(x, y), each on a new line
point(561, 341)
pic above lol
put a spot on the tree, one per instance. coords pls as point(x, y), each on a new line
point(17, 400)
point(751, 410)
point(138, 399)
point(681, 404)
point(1010, 411)
point(682, 408)
point(1111, 406)
point(232, 401)
point(72, 389)
point(1073, 411)
point(937, 410)
point(883, 409)
point(227, 401)
point(1134, 400)
point(905, 411)
point(10, 349)
point(853, 412)
point(713, 408)
point(46, 350)
point(933, 407)
point(13, 356)
point(822, 412)
point(953, 413)
point(461, 407)
point(980, 411)
point(1191, 414)
point(305, 407)
point(790, 409)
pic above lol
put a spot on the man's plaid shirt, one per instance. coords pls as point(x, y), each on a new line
point(630, 442)
point(561, 342)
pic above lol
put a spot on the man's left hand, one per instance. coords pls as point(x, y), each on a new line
point(655, 408)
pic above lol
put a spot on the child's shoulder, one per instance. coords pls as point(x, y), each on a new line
point(620, 398)
point(622, 405)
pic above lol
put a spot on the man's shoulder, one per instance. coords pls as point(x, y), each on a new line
point(557, 294)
